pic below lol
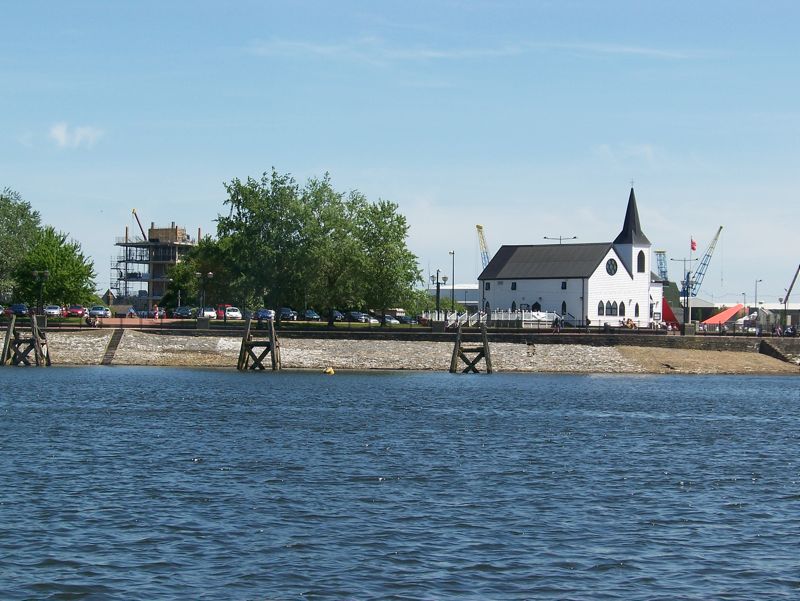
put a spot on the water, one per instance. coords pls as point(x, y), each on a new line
point(145, 483)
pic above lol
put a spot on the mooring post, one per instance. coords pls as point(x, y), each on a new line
point(456, 349)
point(486, 352)
point(275, 346)
point(4, 358)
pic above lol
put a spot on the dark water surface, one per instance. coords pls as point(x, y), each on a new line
point(147, 483)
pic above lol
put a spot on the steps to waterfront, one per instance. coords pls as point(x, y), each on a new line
point(111, 348)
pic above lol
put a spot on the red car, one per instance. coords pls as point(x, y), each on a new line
point(76, 311)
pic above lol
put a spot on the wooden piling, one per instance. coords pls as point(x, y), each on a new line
point(248, 359)
point(471, 355)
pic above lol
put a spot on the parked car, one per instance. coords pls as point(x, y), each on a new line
point(99, 311)
point(288, 314)
point(357, 316)
point(76, 311)
point(221, 310)
point(183, 313)
point(371, 319)
point(390, 320)
point(17, 309)
point(311, 315)
point(53, 311)
point(265, 314)
point(209, 312)
point(232, 313)
point(407, 320)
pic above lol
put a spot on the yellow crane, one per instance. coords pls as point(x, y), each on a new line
point(482, 245)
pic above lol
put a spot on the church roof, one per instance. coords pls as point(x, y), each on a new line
point(539, 261)
point(631, 230)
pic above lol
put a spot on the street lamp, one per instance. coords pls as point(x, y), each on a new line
point(744, 299)
point(40, 277)
point(453, 282)
point(755, 302)
point(435, 280)
point(204, 277)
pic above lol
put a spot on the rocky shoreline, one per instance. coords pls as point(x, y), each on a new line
point(88, 347)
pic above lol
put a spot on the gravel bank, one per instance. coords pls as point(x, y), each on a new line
point(142, 348)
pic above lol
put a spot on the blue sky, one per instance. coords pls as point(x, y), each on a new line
point(531, 118)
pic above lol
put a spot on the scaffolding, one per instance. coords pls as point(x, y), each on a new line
point(140, 272)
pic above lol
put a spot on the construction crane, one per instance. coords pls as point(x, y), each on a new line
point(144, 236)
point(785, 299)
point(701, 270)
point(661, 262)
point(482, 244)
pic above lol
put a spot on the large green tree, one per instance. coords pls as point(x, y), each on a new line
point(335, 257)
point(19, 227)
point(70, 274)
point(267, 238)
point(390, 270)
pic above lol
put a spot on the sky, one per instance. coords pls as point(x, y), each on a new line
point(531, 118)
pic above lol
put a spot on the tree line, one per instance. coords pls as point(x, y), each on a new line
point(285, 244)
point(37, 261)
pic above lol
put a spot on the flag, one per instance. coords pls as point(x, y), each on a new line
point(694, 244)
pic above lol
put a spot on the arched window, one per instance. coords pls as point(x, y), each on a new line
point(614, 308)
point(513, 305)
point(622, 309)
point(563, 307)
point(608, 308)
point(640, 262)
point(601, 308)
point(536, 307)
point(636, 310)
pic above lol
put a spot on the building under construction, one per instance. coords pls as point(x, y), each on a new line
point(140, 273)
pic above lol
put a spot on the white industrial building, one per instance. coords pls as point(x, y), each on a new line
point(604, 282)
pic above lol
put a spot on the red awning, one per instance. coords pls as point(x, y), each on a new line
point(724, 316)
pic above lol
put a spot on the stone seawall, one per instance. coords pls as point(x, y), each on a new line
point(551, 354)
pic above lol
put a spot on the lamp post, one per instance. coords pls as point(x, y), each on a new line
point(687, 284)
point(755, 296)
point(744, 299)
point(204, 277)
point(453, 282)
point(40, 277)
point(435, 280)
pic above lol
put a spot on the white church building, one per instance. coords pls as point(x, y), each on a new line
point(603, 282)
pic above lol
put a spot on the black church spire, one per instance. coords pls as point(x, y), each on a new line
point(631, 230)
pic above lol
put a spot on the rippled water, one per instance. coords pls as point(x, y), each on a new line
point(144, 483)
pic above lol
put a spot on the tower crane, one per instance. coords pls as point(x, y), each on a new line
point(785, 299)
point(701, 270)
point(482, 245)
point(144, 236)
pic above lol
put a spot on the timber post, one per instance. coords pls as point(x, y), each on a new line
point(248, 359)
point(477, 352)
point(17, 348)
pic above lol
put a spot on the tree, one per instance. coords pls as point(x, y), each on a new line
point(390, 269)
point(71, 274)
point(19, 227)
point(335, 256)
point(266, 237)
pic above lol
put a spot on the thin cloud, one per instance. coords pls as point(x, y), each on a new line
point(375, 50)
point(75, 137)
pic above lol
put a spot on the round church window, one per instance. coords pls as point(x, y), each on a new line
point(611, 266)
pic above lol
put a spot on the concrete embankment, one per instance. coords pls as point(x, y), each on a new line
point(583, 354)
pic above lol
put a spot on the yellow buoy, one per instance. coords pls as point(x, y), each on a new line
point(329, 371)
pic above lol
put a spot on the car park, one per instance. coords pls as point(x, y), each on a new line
point(53, 311)
point(288, 314)
point(311, 315)
point(183, 313)
point(232, 313)
point(264, 313)
point(76, 311)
